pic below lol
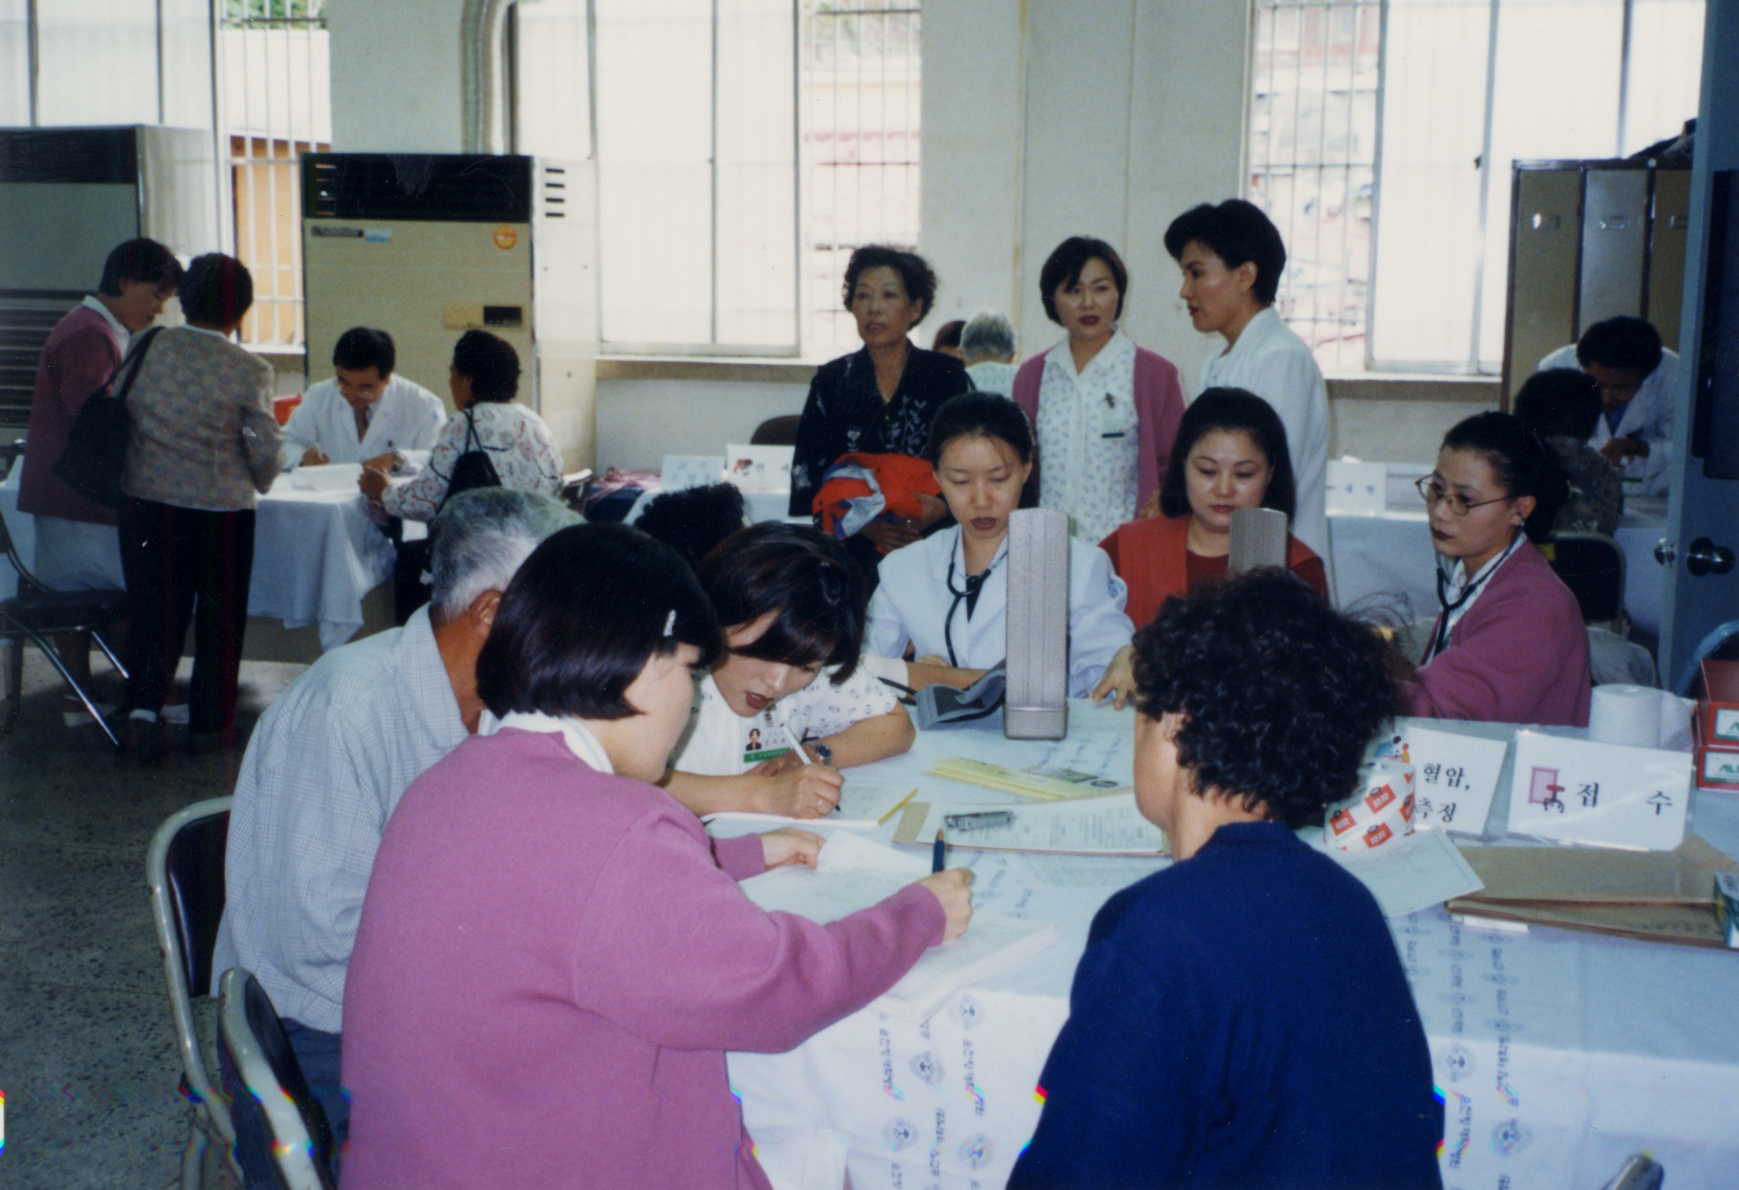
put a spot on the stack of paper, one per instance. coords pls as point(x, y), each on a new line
point(1039, 785)
point(1656, 896)
point(854, 874)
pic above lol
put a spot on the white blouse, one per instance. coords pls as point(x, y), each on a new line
point(721, 743)
point(518, 442)
point(1088, 437)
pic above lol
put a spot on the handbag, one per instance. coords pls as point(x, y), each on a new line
point(96, 449)
point(473, 468)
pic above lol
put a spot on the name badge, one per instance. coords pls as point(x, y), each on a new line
point(1113, 422)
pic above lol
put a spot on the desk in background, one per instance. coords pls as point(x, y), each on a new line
point(1385, 560)
point(1559, 1053)
point(318, 560)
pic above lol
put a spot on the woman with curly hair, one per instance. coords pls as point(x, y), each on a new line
point(1201, 1046)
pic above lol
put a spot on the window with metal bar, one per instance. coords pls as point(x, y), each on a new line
point(276, 104)
point(1381, 138)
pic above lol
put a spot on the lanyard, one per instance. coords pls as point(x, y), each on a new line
point(1440, 638)
point(974, 583)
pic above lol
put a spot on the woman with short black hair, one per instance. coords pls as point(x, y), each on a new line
point(552, 949)
point(484, 379)
point(1104, 410)
point(880, 399)
point(1232, 258)
point(1199, 1048)
point(1509, 645)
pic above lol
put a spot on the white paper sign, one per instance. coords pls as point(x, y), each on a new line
point(1456, 775)
point(681, 472)
point(1357, 487)
point(759, 468)
point(1582, 792)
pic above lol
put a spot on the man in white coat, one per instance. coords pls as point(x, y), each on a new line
point(1637, 377)
point(1232, 257)
point(365, 414)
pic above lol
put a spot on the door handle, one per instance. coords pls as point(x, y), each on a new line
point(1708, 558)
point(1666, 551)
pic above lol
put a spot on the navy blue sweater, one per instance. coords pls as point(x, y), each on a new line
point(1240, 1019)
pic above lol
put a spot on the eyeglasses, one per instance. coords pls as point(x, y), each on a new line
point(1433, 491)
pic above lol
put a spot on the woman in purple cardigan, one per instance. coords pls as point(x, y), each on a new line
point(1509, 645)
point(553, 956)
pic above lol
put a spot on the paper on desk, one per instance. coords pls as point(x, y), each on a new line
point(1041, 783)
point(680, 472)
point(759, 468)
point(1411, 873)
point(854, 873)
point(1607, 794)
point(329, 477)
point(1456, 774)
point(1110, 825)
point(862, 806)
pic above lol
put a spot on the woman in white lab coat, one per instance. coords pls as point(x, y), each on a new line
point(946, 596)
point(1232, 257)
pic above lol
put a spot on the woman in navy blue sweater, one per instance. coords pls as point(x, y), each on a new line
point(1241, 1018)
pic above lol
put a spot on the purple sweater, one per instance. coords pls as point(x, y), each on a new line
point(1519, 655)
point(550, 968)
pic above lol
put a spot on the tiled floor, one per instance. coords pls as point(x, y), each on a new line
point(87, 1059)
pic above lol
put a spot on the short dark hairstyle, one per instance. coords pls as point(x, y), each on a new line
point(949, 335)
point(582, 617)
point(1063, 268)
point(914, 271)
point(979, 415)
point(1622, 342)
point(694, 520)
point(139, 260)
point(1560, 403)
point(1520, 461)
point(365, 347)
point(216, 289)
point(802, 576)
point(1231, 409)
point(1278, 691)
point(490, 363)
point(1236, 231)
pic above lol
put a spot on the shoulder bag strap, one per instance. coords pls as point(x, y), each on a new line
point(135, 357)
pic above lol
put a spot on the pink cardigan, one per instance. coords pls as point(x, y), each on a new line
point(1519, 655)
point(1158, 409)
point(77, 360)
point(550, 968)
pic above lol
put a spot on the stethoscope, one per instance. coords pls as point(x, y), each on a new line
point(948, 623)
point(1440, 638)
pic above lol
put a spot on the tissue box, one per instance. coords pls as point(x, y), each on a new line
point(1727, 906)
point(1718, 726)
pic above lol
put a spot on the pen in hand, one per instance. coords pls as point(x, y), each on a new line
point(939, 853)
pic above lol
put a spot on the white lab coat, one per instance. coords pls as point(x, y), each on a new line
point(913, 600)
point(1648, 416)
point(1274, 363)
point(407, 418)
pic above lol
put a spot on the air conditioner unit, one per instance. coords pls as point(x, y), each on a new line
point(427, 247)
point(67, 197)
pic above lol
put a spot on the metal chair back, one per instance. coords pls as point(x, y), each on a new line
point(278, 1101)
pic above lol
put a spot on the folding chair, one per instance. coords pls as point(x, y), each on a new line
point(184, 870)
point(37, 613)
point(278, 1098)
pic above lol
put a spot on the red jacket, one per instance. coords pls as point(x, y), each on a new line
point(1152, 557)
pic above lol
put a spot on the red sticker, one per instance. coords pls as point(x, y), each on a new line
point(1342, 822)
point(1378, 798)
point(1407, 808)
point(1378, 835)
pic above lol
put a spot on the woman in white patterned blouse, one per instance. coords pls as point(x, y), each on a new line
point(484, 380)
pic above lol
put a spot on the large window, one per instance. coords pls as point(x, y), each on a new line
point(744, 147)
point(1381, 137)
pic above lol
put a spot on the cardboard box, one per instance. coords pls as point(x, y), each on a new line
point(1718, 726)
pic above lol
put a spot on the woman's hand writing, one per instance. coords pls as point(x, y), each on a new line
point(954, 889)
point(794, 790)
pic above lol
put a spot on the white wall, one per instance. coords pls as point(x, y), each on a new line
point(641, 421)
point(395, 76)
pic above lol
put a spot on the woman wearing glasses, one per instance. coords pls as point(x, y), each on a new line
point(1509, 645)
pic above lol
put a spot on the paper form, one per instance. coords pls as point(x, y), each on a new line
point(1094, 826)
point(1411, 873)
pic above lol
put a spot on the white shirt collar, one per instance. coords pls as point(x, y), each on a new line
point(576, 735)
point(960, 550)
point(1259, 327)
point(122, 335)
point(1118, 344)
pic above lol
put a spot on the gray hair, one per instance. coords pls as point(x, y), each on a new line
point(989, 335)
point(480, 538)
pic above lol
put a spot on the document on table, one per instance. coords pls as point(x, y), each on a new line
point(854, 874)
point(863, 805)
point(1109, 825)
point(1411, 873)
point(329, 477)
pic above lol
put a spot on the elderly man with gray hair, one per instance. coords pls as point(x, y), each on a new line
point(329, 761)
point(988, 346)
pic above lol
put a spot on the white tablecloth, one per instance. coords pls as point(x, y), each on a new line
point(1385, 560)
point(1560, 1053)
point(316, 554)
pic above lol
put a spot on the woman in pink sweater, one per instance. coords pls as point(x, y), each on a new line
point(553, 957)
point(1509, 645)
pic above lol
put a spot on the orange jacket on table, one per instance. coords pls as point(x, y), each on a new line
point(1152, 557)
point(899, 478)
